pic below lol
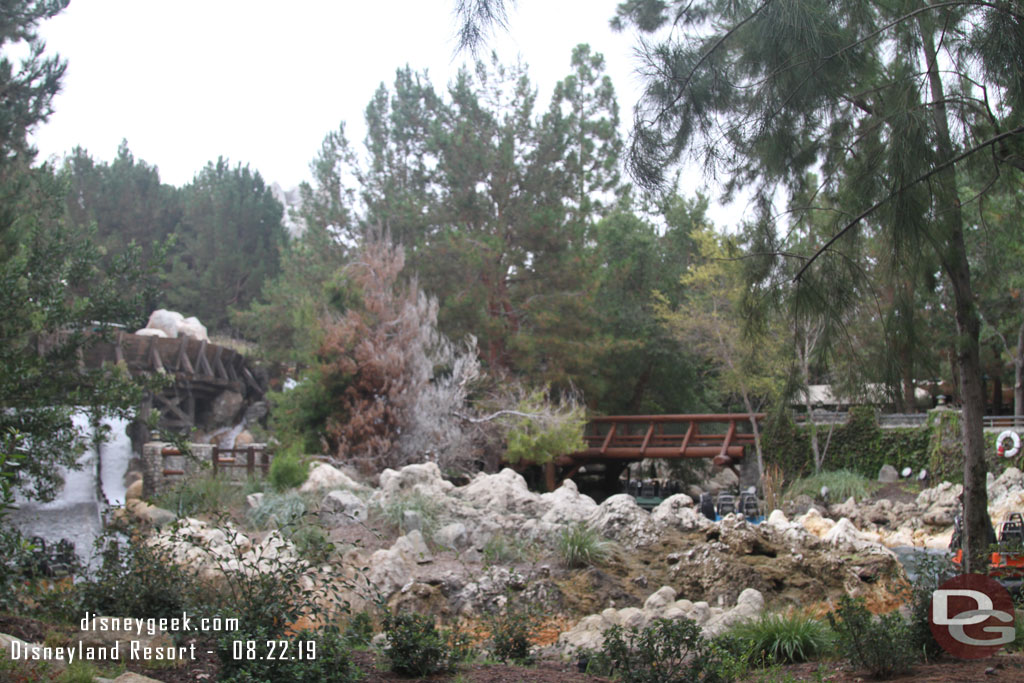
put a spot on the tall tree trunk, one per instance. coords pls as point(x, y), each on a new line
point(977, 530)
point(1018, 379)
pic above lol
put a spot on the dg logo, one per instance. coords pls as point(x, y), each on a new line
point(972, 616)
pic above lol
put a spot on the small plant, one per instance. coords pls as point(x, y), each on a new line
point(878, 644)
point(311, 542)
point(841, 485)
point(929, 572)
point(277, 510)
point(419, 507)
point(783, 638)
point(666, 651)
point(581, 546)
point(511, 628)
point(324, 657)
point(771, 483)
point(359, 629)
point(206, 493)
point(502, 549)
point(288, 470)
point(417, 648)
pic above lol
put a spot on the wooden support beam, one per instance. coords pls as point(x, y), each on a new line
point(201, 362)
point(218, 364)
point(155, 361)
point(647, 438)
point(608, 439)
point(728, 437)
point(690, 431)
point(182, 359)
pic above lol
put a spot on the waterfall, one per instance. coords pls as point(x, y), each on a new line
point(77, 512)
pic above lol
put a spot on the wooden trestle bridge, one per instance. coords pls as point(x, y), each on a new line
point(616, 441)
point(200, 372)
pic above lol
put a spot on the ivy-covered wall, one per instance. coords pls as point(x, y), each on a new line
point(859, 445)
point(862, 446)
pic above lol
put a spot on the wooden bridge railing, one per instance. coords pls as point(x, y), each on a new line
point(621, 439)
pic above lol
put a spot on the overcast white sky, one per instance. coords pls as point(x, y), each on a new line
point(262, 82)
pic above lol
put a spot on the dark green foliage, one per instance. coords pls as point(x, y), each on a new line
point(783, 638)
point(417, 648)
point(359, 630)
point(930, 572)
point(299, 415)
point(136, 580)
point(860, 446)
point(511, 627)
point(229, 242)
point(331, 663)
point(288, 470)
point(667, 651)
point(882, 645)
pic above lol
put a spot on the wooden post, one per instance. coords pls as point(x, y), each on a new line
point(264, 461)
point(549, 476)
point(250, 461)
point(216, 458)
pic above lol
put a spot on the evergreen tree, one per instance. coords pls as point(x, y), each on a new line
point(229, 242)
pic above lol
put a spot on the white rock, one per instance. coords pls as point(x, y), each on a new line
point(424, 478)
point(191, 327)
point(660, 599)
point(503, 492)
point(677, 511)
point(452, 535)
point(324, 476)
point(166, 321)
point(567, 505)
point(620, 518)
point(151, 332)
point(778, 519)
point(344, 506)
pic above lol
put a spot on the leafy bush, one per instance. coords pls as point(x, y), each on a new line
point(288, 470)
point(930, 571)
point(540, 428)
point(878, 644)
point(666, 651)
point(417, 648)
point(511, 628)
point(359, 629)
point(841, 485)
point(311, 542)
point(581, 546)
point(136, 580)
point(783, 638)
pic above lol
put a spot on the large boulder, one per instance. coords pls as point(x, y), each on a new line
point(423, 478)
point(620, 518)
point(678, 511)
point(327, 477)
point(502, 493)
point(227, 408)
point(166, 321)
point(888, 474)
point(567, 504)
point(191, 327)
point(344, 507)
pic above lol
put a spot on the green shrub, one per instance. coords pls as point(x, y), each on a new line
point(417, 648)
point(581, 546)
point(206, 493)
point(540, 429)
point(278, 510)
point(311, 542)
point(882, 645)
point(666, 651)
point(425, 508)
point(288, 470)
point(783, 638)
point(511, 628)
point(78, 672)
point(136, 580)
point(359, 629)
point(841, 485)
point(930, 572)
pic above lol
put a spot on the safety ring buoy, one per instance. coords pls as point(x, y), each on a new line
point(1014, 438)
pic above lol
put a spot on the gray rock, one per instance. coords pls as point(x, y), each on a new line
point(227, 408)
point(344, 506)
point(452, 535)
point(254, 500)
point(888, 474)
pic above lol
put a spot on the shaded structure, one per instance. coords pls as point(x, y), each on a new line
point(614, 442)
